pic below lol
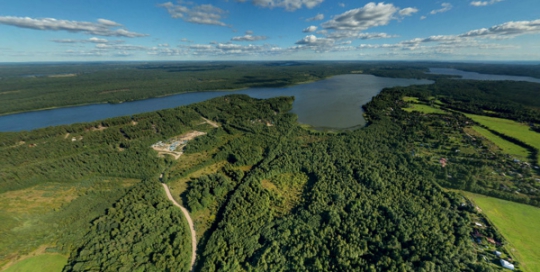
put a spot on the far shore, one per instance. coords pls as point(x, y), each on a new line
point(160, 96)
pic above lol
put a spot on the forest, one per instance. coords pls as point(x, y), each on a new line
point(266, 193)
point(29, 87)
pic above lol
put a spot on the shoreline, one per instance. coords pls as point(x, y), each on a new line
point(159, 96)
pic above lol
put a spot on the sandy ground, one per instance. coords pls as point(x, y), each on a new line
point(214, 124)
point(164, 150)
point(190, 223)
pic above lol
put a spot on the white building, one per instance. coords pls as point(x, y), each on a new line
point(507, 265)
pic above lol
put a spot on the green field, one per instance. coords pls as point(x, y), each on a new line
point(423, 109)
point(506, 146)
point(518, 223)
point(40, 263)
point(411, 99)
point(510, 128)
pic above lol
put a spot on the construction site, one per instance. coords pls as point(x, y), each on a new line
point(175, 145)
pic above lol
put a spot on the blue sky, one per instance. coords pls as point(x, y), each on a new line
point(98, 30)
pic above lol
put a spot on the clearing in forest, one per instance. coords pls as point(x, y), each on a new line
point(518, 223)
point(175, 145)
point(506, 146)
point(510, 128)
point(40, 263)
point(416, 105)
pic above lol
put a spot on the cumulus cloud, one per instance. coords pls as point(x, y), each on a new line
point(201, 14)
point(103, 27)
point(317, 17)
point(309, 29)
point(371, 15)
point(248, 38)
point(90, 40)
point(484, 3)
point(315, 43)
point(472, 39)
point(408, 11)
point(289, 5)
point(506, 30)
point(342, 35)
point(444, 8)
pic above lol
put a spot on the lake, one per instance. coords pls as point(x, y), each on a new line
point(477, 76)
point(335, 102)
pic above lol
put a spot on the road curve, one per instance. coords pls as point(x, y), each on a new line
point(190, 223)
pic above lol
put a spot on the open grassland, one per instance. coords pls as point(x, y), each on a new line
point(510, 128)
point(423, 109)
point(40, 215)
point(518, 223)
point(40, 263)
point(506, 146)
point(411, 99)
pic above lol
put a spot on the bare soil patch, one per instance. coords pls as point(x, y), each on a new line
point(175, 145)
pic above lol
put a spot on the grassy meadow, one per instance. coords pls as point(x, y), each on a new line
point(40, 263)
point(510, 128)
point(518, 223)
point(423, 109)
point(506, 146)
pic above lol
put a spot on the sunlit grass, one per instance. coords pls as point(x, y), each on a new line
point(423, 109)
point(510, 128)
point(40, 263)
point(518, 223)
point(506, 146)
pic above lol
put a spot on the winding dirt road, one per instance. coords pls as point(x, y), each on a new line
point(190, 222)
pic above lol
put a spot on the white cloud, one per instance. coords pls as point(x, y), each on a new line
point(341, 5)
point(249, 32)
point(97, 40)
point(315, 43)
point(186, 40)
point(102, 28)
point(371, 15)
point(423, 17)
point(249, 38)
point(506, 30)
point(108, 22)
point(122, 47)
point(342, 35)
point(289, 5)
point(90, 40)
point(444, 8)
point(484, 3)
point(317, 17)
point(202, 14)
point(408, 11)
point(474, 39)
point(309, 29)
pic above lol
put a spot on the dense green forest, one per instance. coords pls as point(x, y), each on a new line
point(40, 86)
point(278, 196)
point(142, 231)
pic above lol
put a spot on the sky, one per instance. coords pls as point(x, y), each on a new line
point(148, 30)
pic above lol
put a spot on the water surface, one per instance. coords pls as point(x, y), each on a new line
point(477, 76)
point(330, 103)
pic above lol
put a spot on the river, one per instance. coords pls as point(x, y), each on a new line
point(330, 103)
point(477, 76)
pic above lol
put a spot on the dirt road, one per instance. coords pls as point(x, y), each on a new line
point(190, 222)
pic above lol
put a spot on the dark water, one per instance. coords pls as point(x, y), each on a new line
point(331, 103)
point(477, 76)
